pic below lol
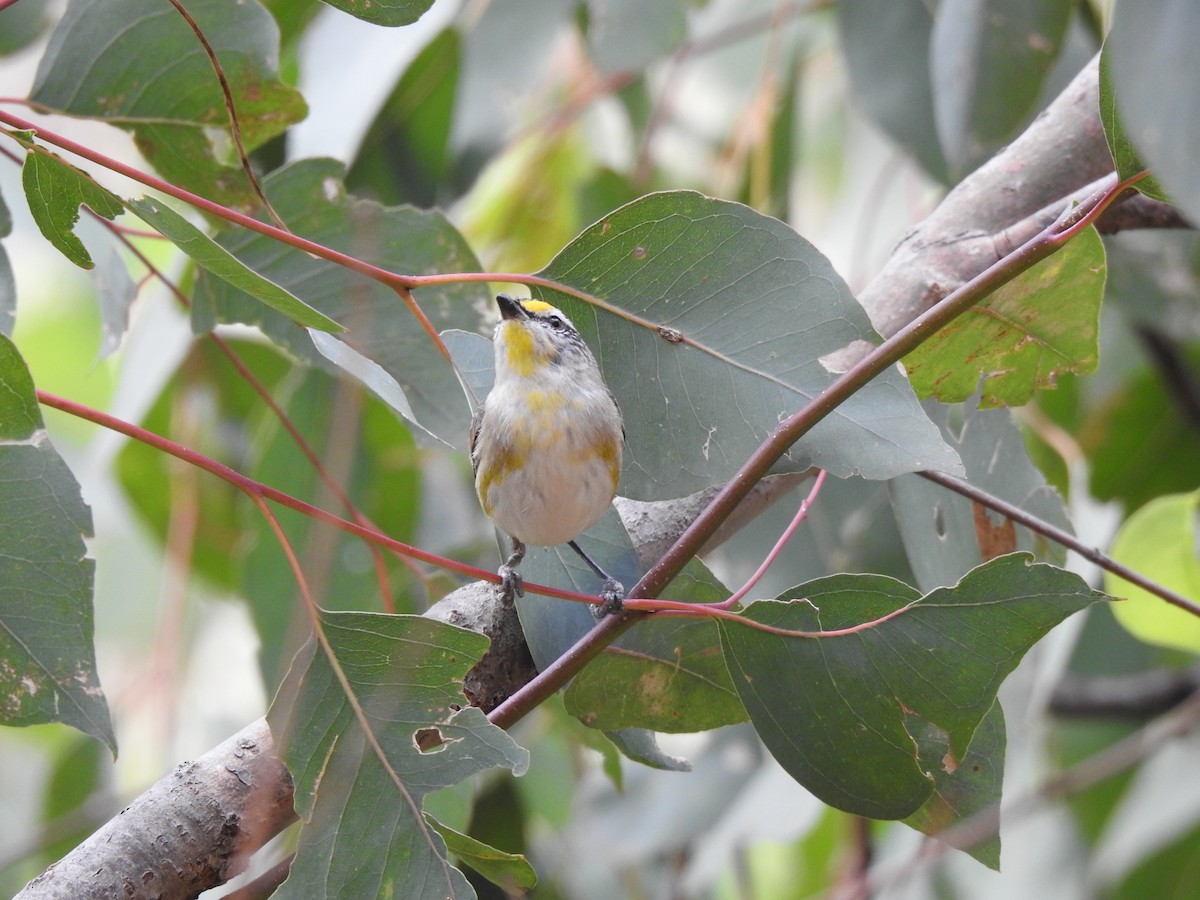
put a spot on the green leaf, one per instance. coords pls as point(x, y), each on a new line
point(735, 312)
point(384, 12)
point(1161, 539)
point(55, 190)
point(138, 64)
point(1151, 52)
point(988, 61)
point(886, 46)
point(946, 535)
point(1140, 442)
point(220, 262)
point(667, 674)
point(1125, 155)
point(509, 871)
point(310, 197)
point(873, 721)
point(406, 672)
point(1042, 324)
point(972, 787)
point(46, 625)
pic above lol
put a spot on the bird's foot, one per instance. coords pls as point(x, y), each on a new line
point(613, 596)
point(512, 585)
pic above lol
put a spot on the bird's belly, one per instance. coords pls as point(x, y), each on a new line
point(553, 496)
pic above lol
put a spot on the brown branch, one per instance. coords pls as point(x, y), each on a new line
point(1060, 153)
point(192, 830)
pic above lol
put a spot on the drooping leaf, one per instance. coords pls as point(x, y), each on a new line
point(216, 259)
point(115, 293)
point(946, 535)
point(55, 190)
point(887, 54)
point(1160, 538)
point(988, 60)
point(310, 197)
point(406, 673)
point(509, 871)
point(369, 372)
point(8, 295)
point(873, 721)
point(405, 156)
point(1042, 324)
point(46, 579)
point(22, 23)
point(8, 284)
point(138, 64)
point(1140, 442)
point(720, 318)
point(1150, 50)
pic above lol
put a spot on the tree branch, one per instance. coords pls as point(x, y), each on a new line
point(192, 830)
point(1062, 151)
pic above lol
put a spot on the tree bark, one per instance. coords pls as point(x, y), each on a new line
point(191, 831)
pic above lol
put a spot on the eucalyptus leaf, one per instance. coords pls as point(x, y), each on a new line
point(46, 578)
point(406, 673)
point(55, 190)
point(713, 323)
point(873, 719)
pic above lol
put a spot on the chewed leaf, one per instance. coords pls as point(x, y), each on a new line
point(55, 190)
point(874, 719)
point(406, 673)
point(1042, 324)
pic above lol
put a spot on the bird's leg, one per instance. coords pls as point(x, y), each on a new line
point(612, 592)
point(511, 583)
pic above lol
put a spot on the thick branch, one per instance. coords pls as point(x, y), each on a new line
point(1062, 151)
point(192, 830)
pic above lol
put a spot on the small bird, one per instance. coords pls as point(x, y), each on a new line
point(546, 444)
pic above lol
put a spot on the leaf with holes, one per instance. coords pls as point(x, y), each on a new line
point(406, 675)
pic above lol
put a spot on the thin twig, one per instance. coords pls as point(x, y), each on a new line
point(1065, 538)
point(235, 127)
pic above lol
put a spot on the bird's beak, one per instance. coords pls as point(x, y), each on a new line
point(510, 307)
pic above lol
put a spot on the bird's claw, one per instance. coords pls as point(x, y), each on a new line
point(512, 585)
point(613, 596)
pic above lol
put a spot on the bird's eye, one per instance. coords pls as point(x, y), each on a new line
point(556, 322)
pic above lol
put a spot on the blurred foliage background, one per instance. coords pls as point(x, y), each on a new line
point(525, 123)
